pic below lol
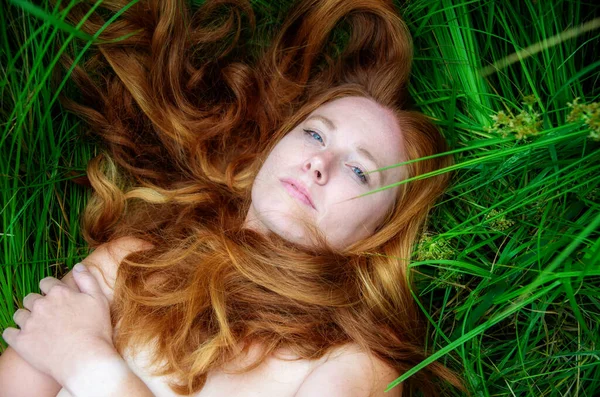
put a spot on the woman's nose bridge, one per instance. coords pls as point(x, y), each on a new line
point(322, 160)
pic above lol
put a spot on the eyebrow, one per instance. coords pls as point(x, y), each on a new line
point(360, 149)
point(367, 154)
point(325, 121)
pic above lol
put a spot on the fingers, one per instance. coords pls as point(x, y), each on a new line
point(10, 336)
point(47, 283)
point(21, 316)
point(30, 299)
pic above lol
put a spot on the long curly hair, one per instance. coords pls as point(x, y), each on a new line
point(187, 107)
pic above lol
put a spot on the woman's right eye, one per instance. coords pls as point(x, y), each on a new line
point(315, 135)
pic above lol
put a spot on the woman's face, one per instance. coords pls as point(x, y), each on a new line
point(324, 157)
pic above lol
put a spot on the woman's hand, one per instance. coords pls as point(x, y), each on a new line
point(63, 330)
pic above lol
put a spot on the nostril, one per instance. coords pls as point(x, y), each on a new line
point(318, 174)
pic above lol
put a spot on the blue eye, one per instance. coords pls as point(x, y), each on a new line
point(315, 135)
point(360, 174)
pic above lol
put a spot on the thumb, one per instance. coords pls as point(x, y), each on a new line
point(86, 282)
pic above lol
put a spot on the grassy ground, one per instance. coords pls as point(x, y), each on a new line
point(509, 272)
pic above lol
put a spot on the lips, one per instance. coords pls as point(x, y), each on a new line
point(297, 190)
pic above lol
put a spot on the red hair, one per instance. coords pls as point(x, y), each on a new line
point(187, 110)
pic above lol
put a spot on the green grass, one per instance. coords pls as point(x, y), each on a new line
point(509, 273)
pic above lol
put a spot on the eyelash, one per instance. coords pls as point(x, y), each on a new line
point(309, 132)
point(364, 179)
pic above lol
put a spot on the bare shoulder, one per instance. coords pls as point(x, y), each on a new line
point(104, 261)
point(350, 372)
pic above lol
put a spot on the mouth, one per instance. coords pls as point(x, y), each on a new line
point(295, 190)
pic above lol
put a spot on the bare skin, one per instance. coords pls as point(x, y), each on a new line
point(277, 376)
point(327, 161)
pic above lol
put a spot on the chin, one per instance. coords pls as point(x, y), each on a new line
point(281, 217)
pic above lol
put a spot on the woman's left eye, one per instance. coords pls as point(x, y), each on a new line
point(360, 174)
point(315, 135)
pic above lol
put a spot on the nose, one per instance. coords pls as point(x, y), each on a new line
point(318, 167)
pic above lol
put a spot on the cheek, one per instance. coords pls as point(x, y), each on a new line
point(343, 229)
point(358, 216)
point(274, 163)
point(286, 147)
point(342, 219)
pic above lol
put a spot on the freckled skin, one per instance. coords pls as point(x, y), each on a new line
point(325, 161)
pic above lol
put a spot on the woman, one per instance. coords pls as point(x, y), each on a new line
point(229, 199)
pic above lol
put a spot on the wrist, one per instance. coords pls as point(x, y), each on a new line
point(100, 375)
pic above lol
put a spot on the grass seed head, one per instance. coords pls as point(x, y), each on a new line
point(525, 124)
point(429, 248)
point(589, 114)
point(501, 223)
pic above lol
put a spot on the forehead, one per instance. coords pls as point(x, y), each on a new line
point(362, 122)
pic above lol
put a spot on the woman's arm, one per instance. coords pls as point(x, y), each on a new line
point(107, 376)
point(17, 377)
